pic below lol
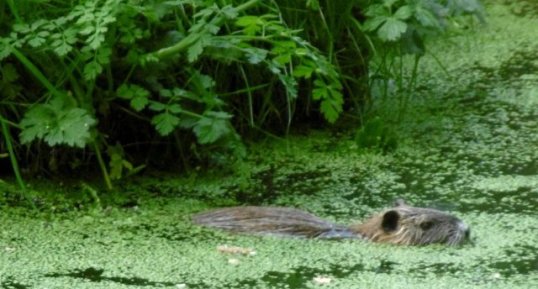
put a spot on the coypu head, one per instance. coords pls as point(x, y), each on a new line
point(406, 225)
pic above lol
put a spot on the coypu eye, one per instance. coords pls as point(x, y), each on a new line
point(390, 221)
point(426, 225)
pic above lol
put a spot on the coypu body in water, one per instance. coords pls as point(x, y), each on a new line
point(401, 224)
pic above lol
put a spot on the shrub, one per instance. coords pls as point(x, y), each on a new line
point(124, 76)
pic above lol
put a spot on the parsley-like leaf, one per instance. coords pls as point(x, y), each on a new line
point(392, 29)
point(137, 94)
point(211, 127)
point(57, 124)
point(165, 123)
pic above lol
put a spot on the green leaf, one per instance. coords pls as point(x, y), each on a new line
point(139, 102)
point(229, 12)
point(321, 91)
point(248, 20)
point(211, 127)
point(116, 167)
point(116, 162)
point(389, 3)
point(331, 98)
point(197, 48)
point(128, 165)
point(426, 18)
point(59, 21)
point(302, 52)
point(21, 28)
point(165, 93)
point(61, 48)
point(392, 30)
point(157, 106)
point(36, 123)
point(86, 18)
point(87, 30)
point(313, 5)
point(373, 23)
point(56, 124)
point(36, 41)
point(282, 59)
point(106, 20)
point(43, 34)
point(103, 55)
point(174, 108)
point(5, 48)
point(466, 6)
point(137, 94)
point(204, 13)
point(252, 30)
point(403, 12)
point(280, 47)
point(73, 128)
point(205, 80)
point(129, 91)
point(188, 121)
point(165, 123)
point(38, 23)
point(303, 71)
point(66, 41)
point(256, 55)
point(331, 109)
point(376, 10)
point(92, 70)
point(70, 35)
point(213, 29)
point(290, 84)
point(94, 41)
point(218, 114)
point(274, 67)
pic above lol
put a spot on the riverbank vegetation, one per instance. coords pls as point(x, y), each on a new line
point(121, 85)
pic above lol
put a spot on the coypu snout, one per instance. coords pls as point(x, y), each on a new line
point(409, 225)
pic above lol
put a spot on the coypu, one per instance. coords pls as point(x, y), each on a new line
point(401, 224)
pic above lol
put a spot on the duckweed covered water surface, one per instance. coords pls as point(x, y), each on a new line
point(467, 145)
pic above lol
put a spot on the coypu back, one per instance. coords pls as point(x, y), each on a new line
point(272, 221)
point(407, 225)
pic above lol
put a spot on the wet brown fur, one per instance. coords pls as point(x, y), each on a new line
point(406, 225)
point(401, 224)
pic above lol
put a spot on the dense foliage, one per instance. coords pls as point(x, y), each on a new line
point(186, 78)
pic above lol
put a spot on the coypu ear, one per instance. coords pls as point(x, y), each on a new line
point(390, 221)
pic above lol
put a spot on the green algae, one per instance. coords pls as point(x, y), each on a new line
point(116, 250)
point(467, 145)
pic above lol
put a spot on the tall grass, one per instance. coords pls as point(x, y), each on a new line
point(332, 27)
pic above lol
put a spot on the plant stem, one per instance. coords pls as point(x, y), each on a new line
point(249, 94)
point(102, 166)
point(13, 7)
point(14, 163)
point(36, 72)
